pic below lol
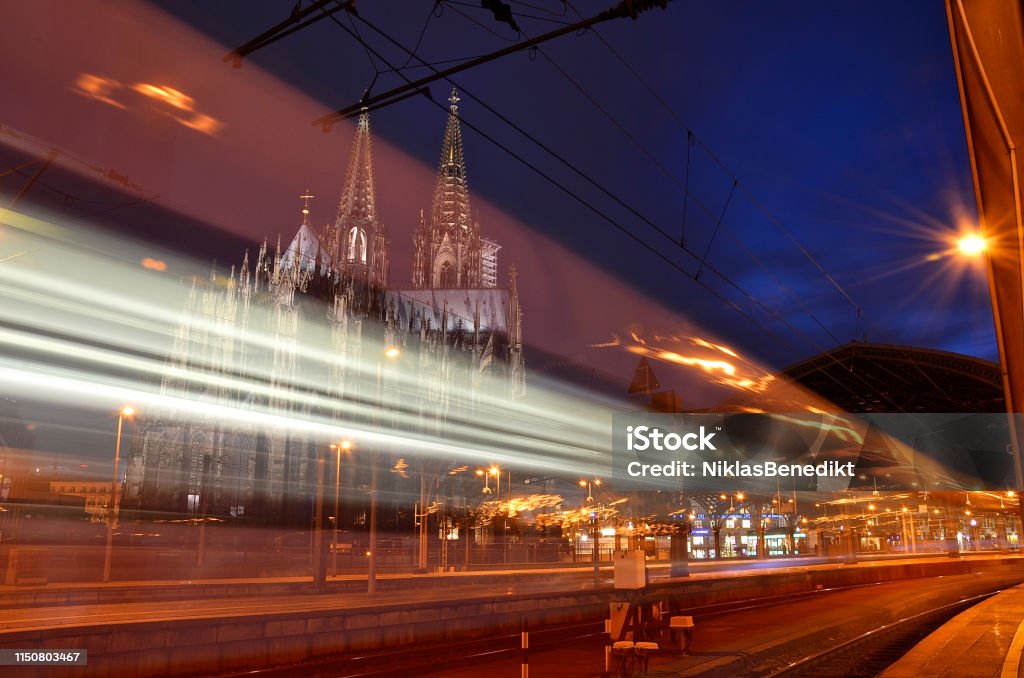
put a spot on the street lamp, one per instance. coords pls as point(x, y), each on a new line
point(126, 411)
point(590, 484)
point(496, 472)
point(391, 353)
point(595, 527)
point(972, 244)
point(345, 445)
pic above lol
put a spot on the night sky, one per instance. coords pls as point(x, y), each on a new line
point(841, 119)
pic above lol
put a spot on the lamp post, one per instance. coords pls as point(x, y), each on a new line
point(595, 527)
point(590, 484)
point(345, 445)
point(496, 472)
point(391, 353)
point(319, 557)
point(126, 411)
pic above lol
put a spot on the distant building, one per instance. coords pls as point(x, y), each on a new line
point(95, 496)
point(319, 303)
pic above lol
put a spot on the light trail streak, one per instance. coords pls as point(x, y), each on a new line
point(89, 330)
point(737, 373)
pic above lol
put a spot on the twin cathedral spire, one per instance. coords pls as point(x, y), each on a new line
point(449, 251)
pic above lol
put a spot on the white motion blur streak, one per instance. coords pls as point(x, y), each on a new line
point(86, 326)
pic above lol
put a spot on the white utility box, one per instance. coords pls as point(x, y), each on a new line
point(630, 569)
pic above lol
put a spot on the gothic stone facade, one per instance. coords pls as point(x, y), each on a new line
point(289, 335)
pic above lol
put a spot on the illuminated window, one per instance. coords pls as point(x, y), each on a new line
point(355, 249)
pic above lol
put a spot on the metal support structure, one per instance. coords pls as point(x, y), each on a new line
point(679, 552)
point(422, 517)
point(299, 19)
point(204, 496)
point(29, 184)
point(319, 554)
point(114, 504)
point(624, 9)
point(337, 516)
point(371, 574)
point(988, 49)
point(524, 643)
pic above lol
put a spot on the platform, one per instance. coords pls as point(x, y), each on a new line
point(212, 633)
point(986, 640)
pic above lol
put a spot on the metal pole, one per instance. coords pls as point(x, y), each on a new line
point(597, 553)
point(371, 571)
point(337, 516)
point(319, 562)
point(113, 502)
point(207, 465)
point(371, 575)
point(421, 514)
point(525, 644)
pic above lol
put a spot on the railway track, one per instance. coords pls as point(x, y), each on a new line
point(418, 659)
point(872, 652)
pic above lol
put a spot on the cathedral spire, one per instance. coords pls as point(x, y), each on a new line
point(451, 192)
point(448, 247)
point(356, 241)
point(306, 197)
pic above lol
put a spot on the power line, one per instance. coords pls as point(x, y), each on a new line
point(625, 8)
point(613, 222)
point(451, 6)
point(711, 154)
point(687, 196)
point(572, 166)
point(565, 189)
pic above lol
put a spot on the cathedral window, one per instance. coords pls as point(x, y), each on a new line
point(445, 275)
point(356, 246)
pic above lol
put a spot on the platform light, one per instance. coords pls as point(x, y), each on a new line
point(972, 244)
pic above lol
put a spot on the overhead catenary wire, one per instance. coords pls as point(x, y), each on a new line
point(575, 169)
point(718, 225)
point(687, 195)
point(582, 201)
point(622, 9)
point(725, 168)
point(612, 221)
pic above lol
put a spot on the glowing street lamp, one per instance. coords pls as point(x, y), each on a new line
point(972, 245)
point(590, 485)
point(126, 411)
point(496, 472)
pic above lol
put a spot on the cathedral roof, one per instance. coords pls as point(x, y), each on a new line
point(452, 305)
point(306, 248)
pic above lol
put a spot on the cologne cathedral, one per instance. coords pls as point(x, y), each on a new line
point(297, 332)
